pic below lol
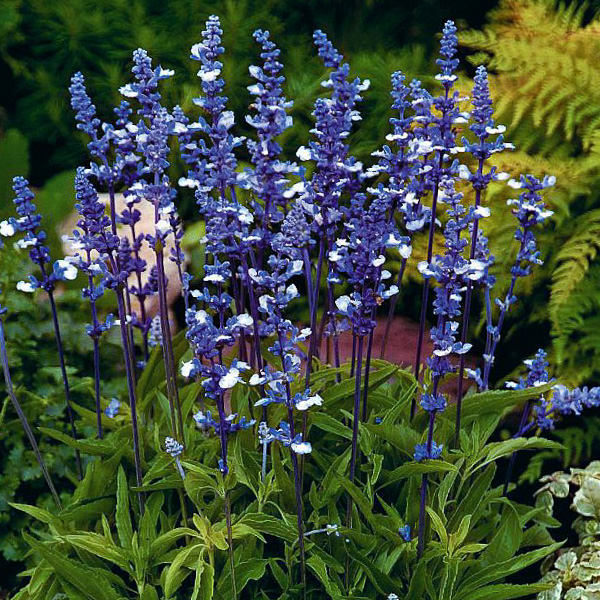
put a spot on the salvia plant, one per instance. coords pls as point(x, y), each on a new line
point(237, 463)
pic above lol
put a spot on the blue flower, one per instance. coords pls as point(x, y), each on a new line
point(112, 410)
point(405, 533)
point(422, 453)
point(431, 403)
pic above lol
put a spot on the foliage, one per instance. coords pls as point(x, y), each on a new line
point(39, 388)
point(547, 91)
point(93, 549)
point(576, 573)
point(304, 503)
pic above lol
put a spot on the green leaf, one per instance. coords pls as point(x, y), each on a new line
point(91, 583)
point(204, 583)
point(336, 394)
point(122, 517)
point(506, 591)
point(383, 583)
point(252, 569)
point(179, 569)
point(271, 526)
point(474, 497)
point(99, 546)
point(506, 542)
point(438, 526)
point(86, 511)
point(497, 402)
point(149, 593)
point(327, 423)
point(400, 436)
point(400, 405)
point(416, 590)
point(318, 566)
point(476, 578)
point(417, 468)
point(164, 542)
point(497, 450)
point(37, 513)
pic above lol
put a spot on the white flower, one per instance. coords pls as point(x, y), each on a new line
point(501, 176)
point(463, 172)
point(163, 226)
point(343, 303)
point(69, 270)
point(296, 188)
point(163, 73)
point(229, 379)
point(301, 448)
point(494, 130)
point(26, 243)
point(482, 211)
point(214, 278)
point(227, 119)
point(315, 400)
point(6, 229)
point(377, 262)
point(303, 153)
point(405, 250)
point(244, 320)
point(257, 379)
point(513, 183)
point(208, 76)
point(446, 77)
point(25, 286)
point(196, 49)
point(187, 368)
point(128, 91)
point(187, 182)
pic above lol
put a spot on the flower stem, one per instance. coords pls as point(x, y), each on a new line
point(355, 418)
point(513, 456)
point(23, 418)
point(466, 316)
point(63, 370)
point(390, 317)
point(230, 542)
point(168, 358)
point(425, 296)
point(424, 483)
point(367, 369)
point(129, 370)
point(312, 347)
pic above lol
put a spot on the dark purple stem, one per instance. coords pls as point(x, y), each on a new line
point(390, 317)
point(173, 397)
point(367, 371)
point(63, 370)
point(467, 314)
point(425, 297)
point(23, 418)
point(513, 457)
point(312, 347)
point(424, 484)
point(129, 370)
point(296, 468)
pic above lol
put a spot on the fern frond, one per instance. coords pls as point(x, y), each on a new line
point(573, 262)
